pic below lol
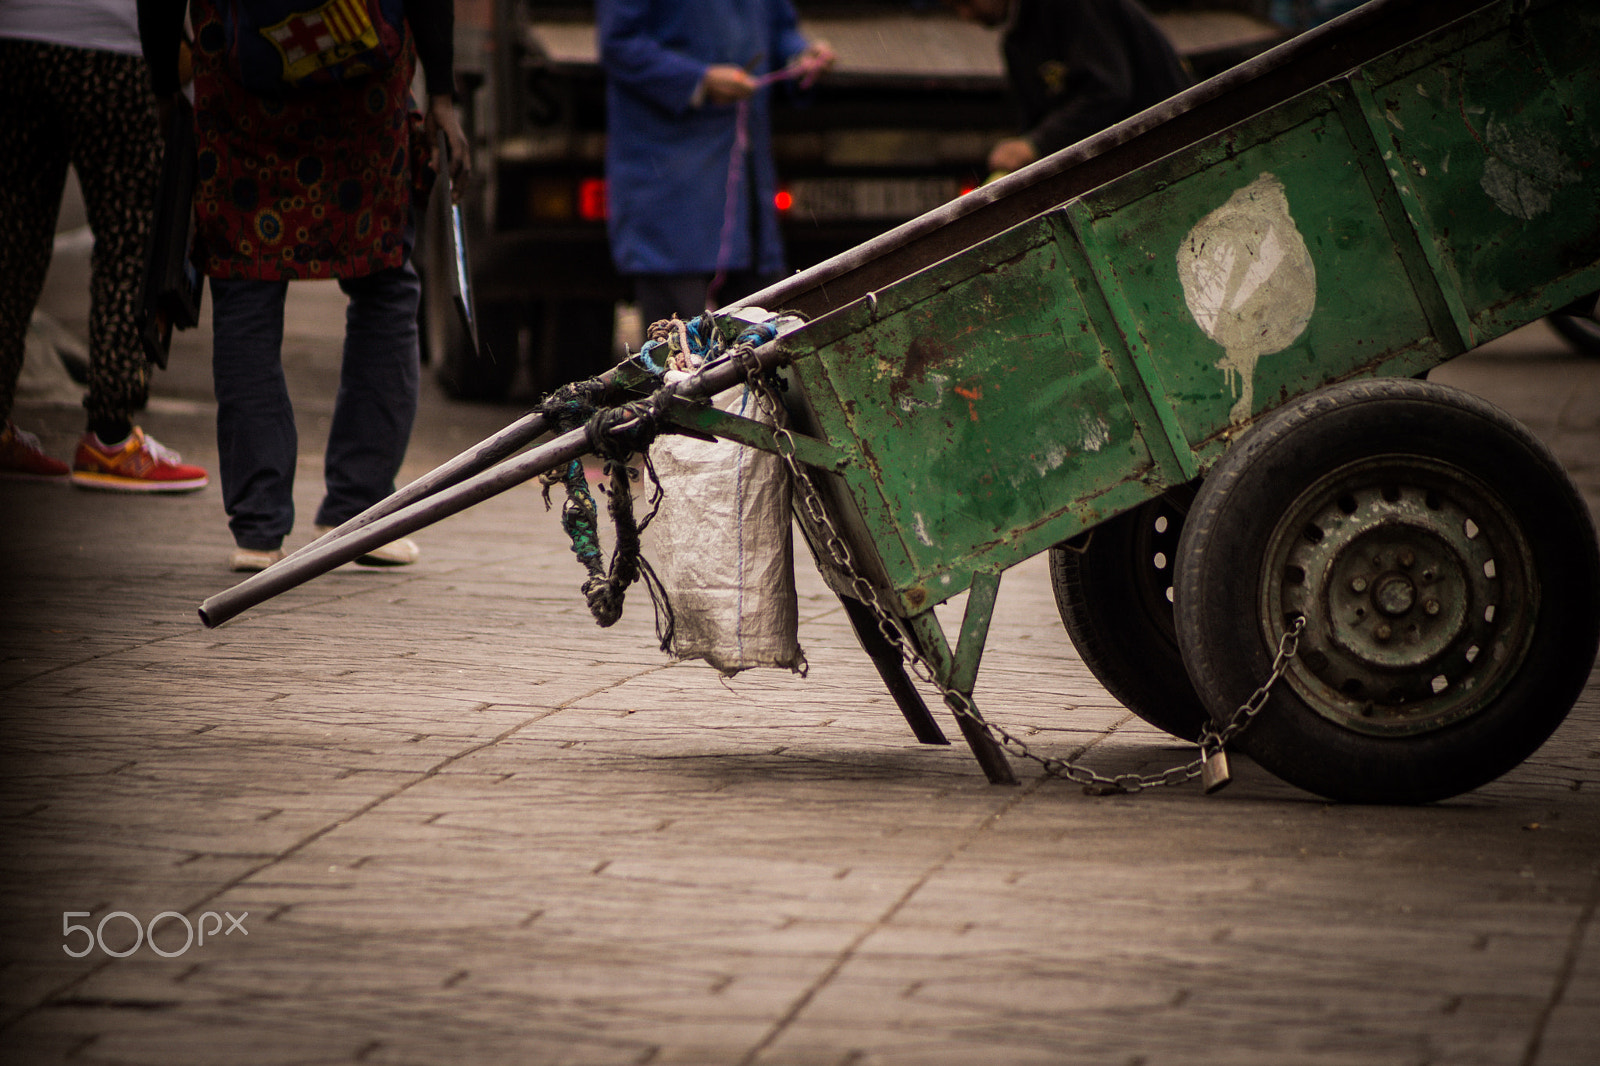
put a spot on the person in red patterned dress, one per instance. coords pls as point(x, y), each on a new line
point(319, 179)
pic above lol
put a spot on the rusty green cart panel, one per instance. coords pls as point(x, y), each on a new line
point(1011, 396)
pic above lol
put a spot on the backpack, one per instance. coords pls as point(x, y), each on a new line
point(275, 47)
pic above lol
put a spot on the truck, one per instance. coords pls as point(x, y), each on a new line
point(901, 125)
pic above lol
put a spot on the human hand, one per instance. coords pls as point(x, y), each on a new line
point(728, 84)
point(441, 117)
point(818, 57)
point(1012, 154)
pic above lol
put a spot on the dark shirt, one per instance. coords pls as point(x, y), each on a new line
point(1078, 66)
point(432, 31)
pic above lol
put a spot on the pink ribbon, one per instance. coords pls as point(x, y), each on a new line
point(805, 71)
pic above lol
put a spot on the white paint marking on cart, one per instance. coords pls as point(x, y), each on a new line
point(1525, 170)
point(919, 526)
point(1269, 254)
point(1096, 434)
point(909, 404)
point(1249, 282)
point(1054, 456)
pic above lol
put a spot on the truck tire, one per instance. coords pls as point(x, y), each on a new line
point(485, 374)
point(573, 340)
point(1447, 572)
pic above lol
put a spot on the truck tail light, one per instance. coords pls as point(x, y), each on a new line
point(592, 199)
point(783, 199)
point(549, 201)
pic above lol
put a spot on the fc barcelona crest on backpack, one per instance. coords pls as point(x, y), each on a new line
point(276, 47)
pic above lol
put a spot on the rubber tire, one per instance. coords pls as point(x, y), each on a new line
point(1228, 649)
point(1111, 586)
point(487, 374)
point(572, 340)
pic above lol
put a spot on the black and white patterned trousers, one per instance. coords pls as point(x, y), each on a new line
point(94, 110)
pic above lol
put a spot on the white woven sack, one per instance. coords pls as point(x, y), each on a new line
point(722, 546)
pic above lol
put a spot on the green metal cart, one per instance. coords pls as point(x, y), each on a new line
point(1187, 358)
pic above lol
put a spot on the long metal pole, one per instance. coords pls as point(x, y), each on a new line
point(482, 456)
point(372, 530)
point(317, 559)
point(1175, 125)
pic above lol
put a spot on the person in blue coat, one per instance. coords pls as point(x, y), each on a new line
point(686, 213)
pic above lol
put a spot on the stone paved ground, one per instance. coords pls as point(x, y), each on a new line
point(458, 823)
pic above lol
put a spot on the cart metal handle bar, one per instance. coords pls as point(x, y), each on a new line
point(481, 456)
point(469, 478)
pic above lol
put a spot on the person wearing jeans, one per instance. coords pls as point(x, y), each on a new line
point(376, 404)
point(311, 163)
point(74, 90)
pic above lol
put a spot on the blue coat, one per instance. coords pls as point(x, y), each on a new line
point(666, 160)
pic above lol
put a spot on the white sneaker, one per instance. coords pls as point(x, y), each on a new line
point(402, 552)
point(251, 560)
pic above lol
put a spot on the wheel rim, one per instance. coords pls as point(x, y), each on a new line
point(1418, 590)
point(1155, 555)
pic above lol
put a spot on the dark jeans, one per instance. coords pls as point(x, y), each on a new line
point(377, 402)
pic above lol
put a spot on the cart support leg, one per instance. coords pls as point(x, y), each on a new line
point(892, 668)
point(959, 672)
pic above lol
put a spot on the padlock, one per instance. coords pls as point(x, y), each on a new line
point(1214, 775)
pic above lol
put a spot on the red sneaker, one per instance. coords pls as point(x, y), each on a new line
point(138, 464)
point(23, 459)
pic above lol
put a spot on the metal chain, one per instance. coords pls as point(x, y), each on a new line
point(1211, 742)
